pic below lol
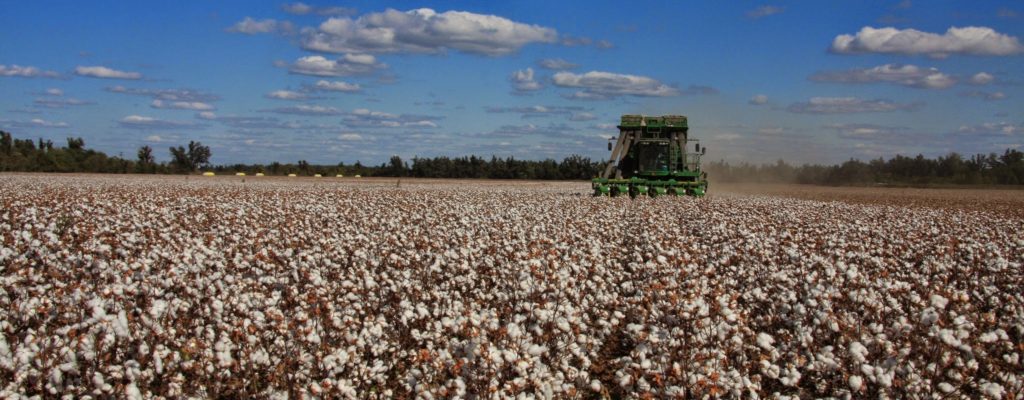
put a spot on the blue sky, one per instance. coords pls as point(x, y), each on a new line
point(817, 82)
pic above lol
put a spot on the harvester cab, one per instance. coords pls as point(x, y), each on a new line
point(650, 158)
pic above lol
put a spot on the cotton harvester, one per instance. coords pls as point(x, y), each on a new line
point(650, 159)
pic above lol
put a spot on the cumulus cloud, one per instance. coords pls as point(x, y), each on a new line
point(903, 75)
point(308, 110)
point(336, 86)
point(556, 64)
point(105, 73)
point(522, 81)
point(166, 94)
point(181, 105)
point(758, 100)
point(536, 111)
point(286, 95)
point(26, 72)
point(250, 26)
point(981, 78)
point(598, 84)
point(300, 8)
point(143, 122)
point(347, 65)
point(968, 40)
point(764, 11)
point(847, 105)
point(981, 94)
point(424, 31)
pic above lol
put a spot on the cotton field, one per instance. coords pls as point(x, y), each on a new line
point(144, 287)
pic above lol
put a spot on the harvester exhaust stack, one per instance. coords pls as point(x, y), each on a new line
point(650, 158)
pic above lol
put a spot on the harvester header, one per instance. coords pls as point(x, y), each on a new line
point(650, 158)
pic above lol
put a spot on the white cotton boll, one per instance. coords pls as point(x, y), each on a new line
point(858, 352)
point(595, 385)
point(948, 337)
point(563, 324)
point(938, 302)
point(993, 390)
point(946, 387)
point(765, 341)
point(856, 382)
point(223, 349)
point(513, 330)
point(537, 350)
point(121, 325)
point(988, 337)
point(132, 392)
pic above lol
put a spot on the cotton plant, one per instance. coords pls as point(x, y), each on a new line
point(142, 287)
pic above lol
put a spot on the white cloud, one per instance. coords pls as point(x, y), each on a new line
point(987, 96)
point(286, 95)
point(350, 136)
point(968, 40)
point(537, 111)
point(424, 31)
point(54, 92)
point(758, 100)
point(105, 73)
point(166, 94)
point(347, 65)
point(62, 102)
point(182, 105)
point(154, 138)
point(366, 118)
point(300, 8)
point(143, 122)
point(26, 72)
point(307, 109)
point(337, 86)
point(764, 11)
point(582, 116)
point(557, 64)
point(522, 81)
point(981, 78)
point(48, 124)
point(607, 84)
point(875, 133)
point(251, 26)
point(846, 105)
point(207, 115)
point(903, 75)
point(992, 129)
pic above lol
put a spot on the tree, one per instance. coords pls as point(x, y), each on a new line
point(198, 155)
point(146, 163)
point(192, 159)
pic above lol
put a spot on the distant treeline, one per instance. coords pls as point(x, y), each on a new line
point(952, 169)
point(26, 155)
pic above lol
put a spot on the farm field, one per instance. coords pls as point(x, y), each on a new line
point(145, 286)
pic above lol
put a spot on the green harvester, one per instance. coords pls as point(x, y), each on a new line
point(649, 159)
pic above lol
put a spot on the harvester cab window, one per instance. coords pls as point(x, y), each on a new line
point(654, 157)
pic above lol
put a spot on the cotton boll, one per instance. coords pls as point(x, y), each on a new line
point(856, 383)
